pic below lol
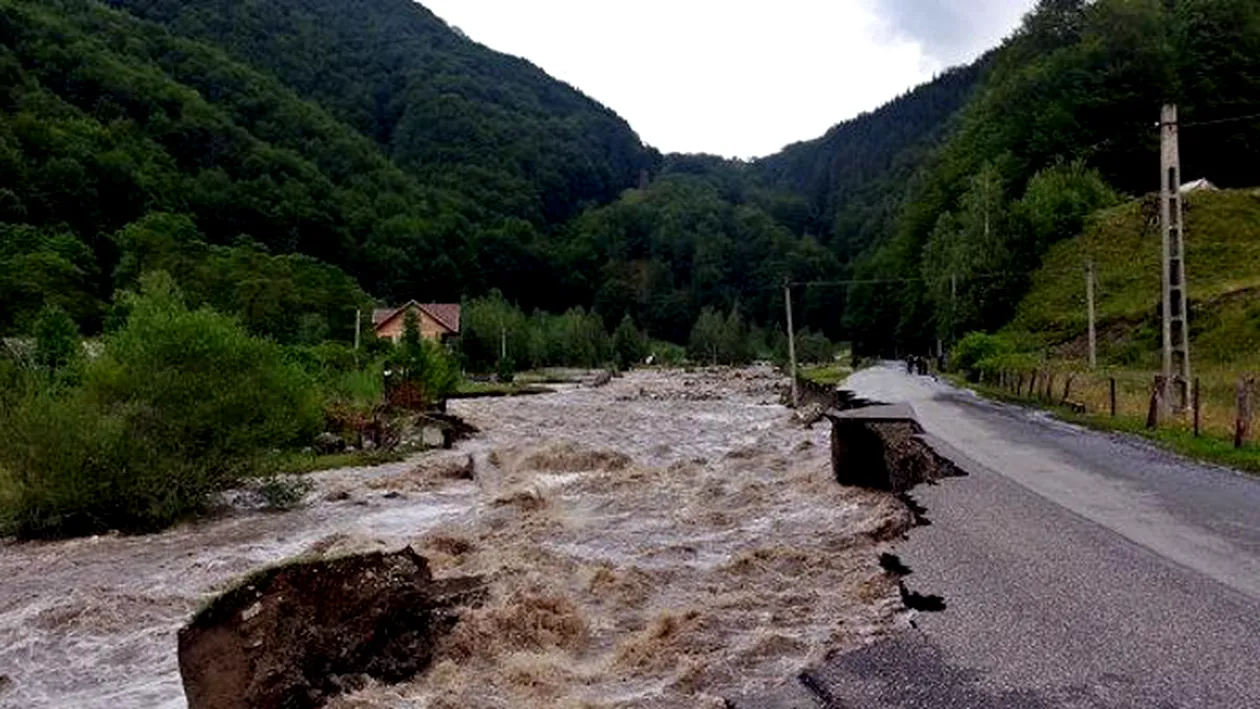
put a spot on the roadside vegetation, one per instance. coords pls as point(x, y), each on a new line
point(1011, 367)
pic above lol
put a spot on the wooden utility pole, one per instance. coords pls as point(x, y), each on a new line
point(1176, 331)
point(791, 334)
point(1093, 329)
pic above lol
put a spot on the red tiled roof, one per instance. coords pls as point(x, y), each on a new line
point(446, 314)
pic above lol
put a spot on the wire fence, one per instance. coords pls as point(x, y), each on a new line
point(1217, 405)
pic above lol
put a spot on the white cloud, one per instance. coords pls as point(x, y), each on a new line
point(953, 31)
point(732, 77)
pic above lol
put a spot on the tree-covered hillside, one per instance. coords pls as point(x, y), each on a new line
point(701, 236)
point(494, 127)
point(1065, 118)
point(853, 178)
point(363, 148)
point(108, 122)
point(105, 120)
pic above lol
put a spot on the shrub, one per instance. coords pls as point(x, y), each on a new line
point(56, 339)
point(181, 404)
point(283, 492)
point(628, 344)
point(422, 372)
point(505, 370)
point(977, 349)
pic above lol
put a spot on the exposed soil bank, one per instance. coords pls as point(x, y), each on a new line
point(294, 635)
point(663, 541)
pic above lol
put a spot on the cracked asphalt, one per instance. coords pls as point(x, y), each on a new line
point(1078, 569)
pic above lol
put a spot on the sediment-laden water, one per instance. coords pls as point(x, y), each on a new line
point(663, 541)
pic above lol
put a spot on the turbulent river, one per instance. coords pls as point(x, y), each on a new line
point(663, 541)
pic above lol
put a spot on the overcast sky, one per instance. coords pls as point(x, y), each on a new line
point(736, 77)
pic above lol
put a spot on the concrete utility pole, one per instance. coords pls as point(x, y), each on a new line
point(1093, 330)
point(1172, 215)
point(358, 325)
point(791, 333)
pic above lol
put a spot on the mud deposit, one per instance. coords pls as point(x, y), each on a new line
point(663, 541)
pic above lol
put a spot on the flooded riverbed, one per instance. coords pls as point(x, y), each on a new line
point(667, 538)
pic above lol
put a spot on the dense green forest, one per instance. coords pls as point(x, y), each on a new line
point(1065, 119)
point(291, 161)
point(494, 127)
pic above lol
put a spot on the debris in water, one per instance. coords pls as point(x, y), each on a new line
point(292, 636)
point(629, 561)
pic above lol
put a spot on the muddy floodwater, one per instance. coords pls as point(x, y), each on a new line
point(664, 541)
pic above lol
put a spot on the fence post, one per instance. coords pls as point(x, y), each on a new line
point(1113, 397)
point(1050, 389)
point(1242, 423)
point(1067, 389)
point(1198, 410)
point(1019, 384)
point(1152, 415)
point(1032, 384)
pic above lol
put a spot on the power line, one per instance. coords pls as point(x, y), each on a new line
point(1220, 121)
point(896, 281)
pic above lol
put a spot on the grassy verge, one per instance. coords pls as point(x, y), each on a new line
point(473, 390)
point(1175, 436)
point(827, 374)
point(301, 463)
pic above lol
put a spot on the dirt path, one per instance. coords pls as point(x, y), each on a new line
point(663, 541)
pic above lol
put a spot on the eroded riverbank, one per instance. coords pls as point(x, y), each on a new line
point(664, 541)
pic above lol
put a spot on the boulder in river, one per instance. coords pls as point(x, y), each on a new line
point(294, 636)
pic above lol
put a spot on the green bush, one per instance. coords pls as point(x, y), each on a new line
point(56, 339)
point(629, 346)
point(666, 354)
point(976, 350)
point(280, 493)
point(505, 370)
point(181, 404)
point(423, 366)
point(721, 340)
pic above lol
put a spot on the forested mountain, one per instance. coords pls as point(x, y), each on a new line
point(701, 236)
point(99, 129)
point(1066, 117)
point(494, 127)
point(289, 160)
point(853, 178)
point(111, 126)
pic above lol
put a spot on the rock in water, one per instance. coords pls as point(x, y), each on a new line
point(327, 443)
point(294, 636)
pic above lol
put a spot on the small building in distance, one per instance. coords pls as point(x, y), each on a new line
point(1200, 185)
point(438, 321)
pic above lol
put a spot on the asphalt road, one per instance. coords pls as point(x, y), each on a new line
point(1078, 569)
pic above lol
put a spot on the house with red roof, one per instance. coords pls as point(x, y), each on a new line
point(438, 321)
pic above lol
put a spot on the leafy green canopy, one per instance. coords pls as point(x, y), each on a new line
point(180, 404)
point(1079, 87)
point(105, 119)
point(491, 126)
